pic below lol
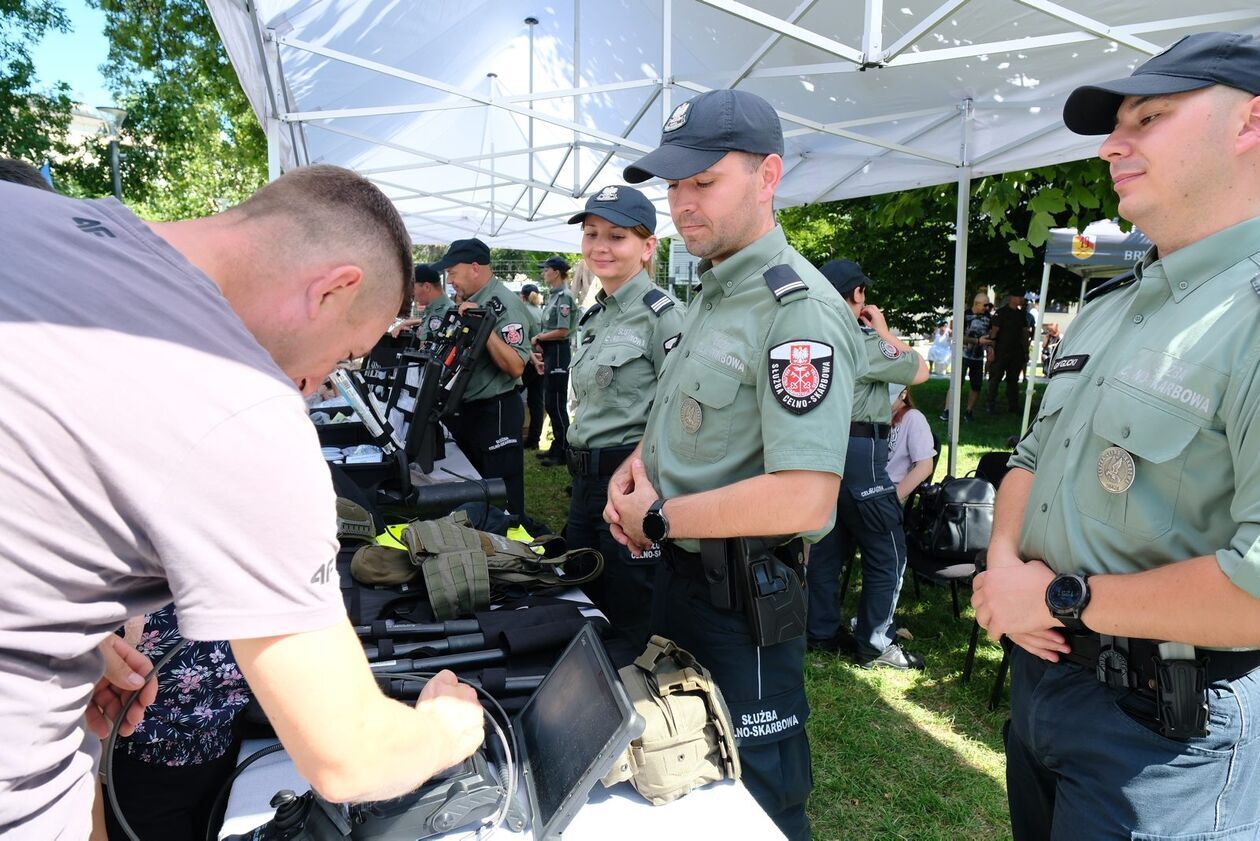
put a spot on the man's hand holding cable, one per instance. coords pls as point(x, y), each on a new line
point(125, 671)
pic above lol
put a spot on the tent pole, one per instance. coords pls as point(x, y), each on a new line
point(531, 22)
point(577, 99)
point(1034, 353)
point(667, 58)
point(961, 226)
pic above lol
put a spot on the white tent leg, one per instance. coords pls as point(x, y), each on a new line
point(272, 129)
point(961, 226)
point(1034, 352)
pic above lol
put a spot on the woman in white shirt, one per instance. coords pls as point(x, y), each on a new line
point(910, 448)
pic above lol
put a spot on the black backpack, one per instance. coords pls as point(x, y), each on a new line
point(951, 520)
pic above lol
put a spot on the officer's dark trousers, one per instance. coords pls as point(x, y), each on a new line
point(489, 434)
point(532, 386)
point(1006, 368)
point(763, 687)
point(1087, 762)
point(868, 517)
point(624, 591)
point(556, 391)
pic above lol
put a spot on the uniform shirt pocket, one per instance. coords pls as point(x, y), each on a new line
point(702, 419)
point(1140, 445)
point(622, 376)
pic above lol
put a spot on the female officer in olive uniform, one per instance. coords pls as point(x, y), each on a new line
point(868, 512)
point(559, 318)
point(625, 336)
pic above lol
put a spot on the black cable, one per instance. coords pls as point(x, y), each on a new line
point(107, 751)
point(226, 788)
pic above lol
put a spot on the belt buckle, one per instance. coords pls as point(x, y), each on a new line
point(1113, 663)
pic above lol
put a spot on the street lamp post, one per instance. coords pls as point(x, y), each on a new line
point(113, 122)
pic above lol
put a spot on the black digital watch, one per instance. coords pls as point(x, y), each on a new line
point(655, 523)
point(1067, 597)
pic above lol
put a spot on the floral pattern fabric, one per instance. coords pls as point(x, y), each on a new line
point(200, 693)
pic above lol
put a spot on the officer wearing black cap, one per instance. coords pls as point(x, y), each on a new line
point(429, 293)
point(488, 425)
point(1125, 557)
point(868, 511)
point(625, 337)
point(1011, 329)
point(741, 457)
point(559, 319)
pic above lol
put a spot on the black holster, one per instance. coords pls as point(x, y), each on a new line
point(765, 581)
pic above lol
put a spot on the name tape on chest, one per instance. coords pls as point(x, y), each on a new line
point(800, 374)
point(1068, 364)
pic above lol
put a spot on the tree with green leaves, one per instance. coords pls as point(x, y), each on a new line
point(191, 143)
point(34, 119)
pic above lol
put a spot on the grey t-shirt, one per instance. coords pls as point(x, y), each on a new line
point(150, 451)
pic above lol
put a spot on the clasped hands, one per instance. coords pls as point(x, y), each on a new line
point(630, 494)
point(1009, 598)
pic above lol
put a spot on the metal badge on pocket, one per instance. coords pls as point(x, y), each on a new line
point(691, 415)
point(1116, 470)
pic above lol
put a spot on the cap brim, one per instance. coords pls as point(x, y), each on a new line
point(615, 217)
point(673, 163)
point(442, 264)
point(1091, 109)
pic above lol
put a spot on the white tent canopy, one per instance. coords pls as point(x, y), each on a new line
point(875, 97)
point(496, 118)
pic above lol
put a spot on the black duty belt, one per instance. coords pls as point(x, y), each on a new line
point(688, 565)
point(865, 429)
point(597, 462)
point(1128, 663)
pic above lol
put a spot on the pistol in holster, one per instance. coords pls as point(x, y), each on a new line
point(764, 580)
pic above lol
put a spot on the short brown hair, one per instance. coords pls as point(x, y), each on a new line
point(344, 211)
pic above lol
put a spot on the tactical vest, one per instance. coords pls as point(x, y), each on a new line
point(689, 740)
point(465, 569)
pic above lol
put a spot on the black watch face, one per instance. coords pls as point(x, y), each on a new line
point(653, 526)
point(1065, 594)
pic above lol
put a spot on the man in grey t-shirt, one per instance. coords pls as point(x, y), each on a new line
point(155, 449)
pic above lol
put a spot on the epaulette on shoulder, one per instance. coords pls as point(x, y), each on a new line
point(783, 281)
point(657, 301)
point(1118, 282)
point(594, 308)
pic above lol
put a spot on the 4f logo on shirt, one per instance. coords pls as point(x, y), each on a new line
point(512, 333)
point(800, 374)
point(326, 572)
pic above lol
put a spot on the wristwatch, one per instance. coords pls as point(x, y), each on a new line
point(1067, 597)
point(655, 523)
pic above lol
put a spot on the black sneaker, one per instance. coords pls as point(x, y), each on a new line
point(969, 416)
point(945, 415)
point(551, 461)
point(842, 642)
point(892, 657)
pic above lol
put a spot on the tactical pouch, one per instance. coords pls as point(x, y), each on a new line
point(688, 741)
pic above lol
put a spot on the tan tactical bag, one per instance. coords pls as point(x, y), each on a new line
point(688, 741)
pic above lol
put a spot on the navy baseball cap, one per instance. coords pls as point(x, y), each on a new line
point(555, 262)
point(463, 251)
point(624, 206)
point(529, 289)
point(845, 275)
point(427, 274)
point(1196, 61)
point(703, 129)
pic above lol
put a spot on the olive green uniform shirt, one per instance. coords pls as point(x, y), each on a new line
point(756, 385)
point(437, 309)
point(511, 322)
point(560, 311)
point(885, 364)
point(1155, 392)
point(535, 319)
point(618, 361)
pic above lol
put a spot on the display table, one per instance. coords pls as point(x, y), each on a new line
point(721, 810)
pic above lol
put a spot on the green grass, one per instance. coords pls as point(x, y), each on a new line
point(895, 755)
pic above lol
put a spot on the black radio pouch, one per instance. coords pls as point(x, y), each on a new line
point(1181, 699)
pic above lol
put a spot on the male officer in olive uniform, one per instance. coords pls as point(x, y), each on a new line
point(487, 427)
point(868, 512)
point(531, 378)
point(747, 434)
point(1134, 696)
point(1011, 330)
point(430, 295)
point(559, 319)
